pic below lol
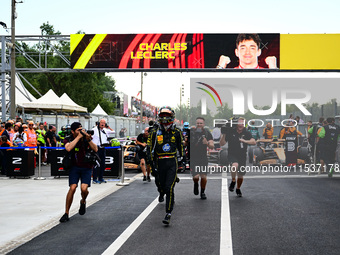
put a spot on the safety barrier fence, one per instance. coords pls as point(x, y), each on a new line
point(20, 161)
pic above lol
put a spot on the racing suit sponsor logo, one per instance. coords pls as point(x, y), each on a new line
point(166, 147)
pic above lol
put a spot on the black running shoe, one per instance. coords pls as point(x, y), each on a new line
point(82, 208)
point(166, 220)
point(148, 178)
point(203, 196)
point(232, 186)
point(196, 189)
point(64, 218)
point(177, 179)
point(238, 192)
point(161, 198)
point(144, 178)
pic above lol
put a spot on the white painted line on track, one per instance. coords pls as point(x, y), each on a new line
point(115, 246)
point(211, 177)
point(226, 245)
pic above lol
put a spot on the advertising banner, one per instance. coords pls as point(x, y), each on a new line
point(206, 51)
point(172, 51)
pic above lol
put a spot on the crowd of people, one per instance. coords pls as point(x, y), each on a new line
point(17, 133)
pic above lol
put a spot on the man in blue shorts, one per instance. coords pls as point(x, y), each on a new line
point(79, 145)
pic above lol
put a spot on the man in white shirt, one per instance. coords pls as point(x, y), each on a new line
point(101, 135)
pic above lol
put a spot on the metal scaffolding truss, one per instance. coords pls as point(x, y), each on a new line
point(45, 46)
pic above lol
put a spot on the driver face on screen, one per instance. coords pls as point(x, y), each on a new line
point(247, 52)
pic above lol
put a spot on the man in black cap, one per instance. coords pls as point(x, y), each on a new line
point(79, 145)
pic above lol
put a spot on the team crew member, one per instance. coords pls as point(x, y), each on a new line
point(311, 131)
point(101, 139)
point(268, 131)
point(200, 140)
point(238, 139)
point(62, 134)
point(330, 134)
point(289, 131)
point(247, 50)
point(163, 145)
point(320, 147)
point(254, 131)
point(51, 141)
point(142, 140)
point(78, 143)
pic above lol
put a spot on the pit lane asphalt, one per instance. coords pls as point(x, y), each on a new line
point(278, 214)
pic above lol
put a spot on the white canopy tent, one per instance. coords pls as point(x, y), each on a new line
point(50, 101)
point(65, 99)
point(22, 95)
point(99, 111)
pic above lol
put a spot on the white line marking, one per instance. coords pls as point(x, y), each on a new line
point(211, 177)
point(226, 245)
point(115, 246)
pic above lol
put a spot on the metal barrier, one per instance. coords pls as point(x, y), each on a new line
point(122, 178)
point(39, 177)
point(39, 167)
point(19, 163)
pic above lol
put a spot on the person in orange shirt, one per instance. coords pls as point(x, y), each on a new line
point(31, 135)
point(268, 131)
point(289, 130)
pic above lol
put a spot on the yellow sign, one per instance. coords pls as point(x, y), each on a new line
point(310, 51)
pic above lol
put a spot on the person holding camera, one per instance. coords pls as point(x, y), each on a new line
point(200, 140)
point(80, 146)
point(142, 140)
point(238, 139)
point(101, 138)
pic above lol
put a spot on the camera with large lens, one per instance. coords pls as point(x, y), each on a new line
point(226, 125)
point(91, 157)
point(90, 132)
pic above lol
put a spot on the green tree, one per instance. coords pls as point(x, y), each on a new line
point(85, 89)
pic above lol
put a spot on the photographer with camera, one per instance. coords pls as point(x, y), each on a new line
point(101, 138)
point(238, 139)
point(200, 140)
point(142, 140)
point(80, 147)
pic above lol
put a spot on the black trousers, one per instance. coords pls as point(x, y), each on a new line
point(98, 172)
point(167, 174)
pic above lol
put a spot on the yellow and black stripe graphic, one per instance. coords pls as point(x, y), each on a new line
point(83, 47)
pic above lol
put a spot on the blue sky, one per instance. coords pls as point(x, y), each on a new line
point(108, 16)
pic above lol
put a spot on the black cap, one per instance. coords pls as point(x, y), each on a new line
point(75, 126)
